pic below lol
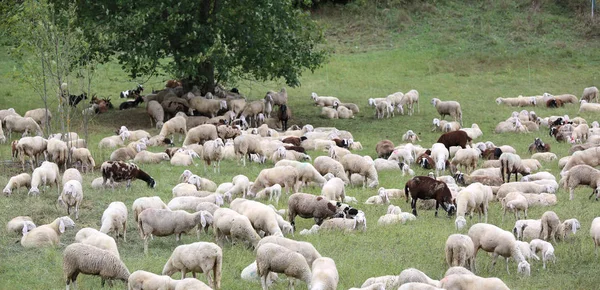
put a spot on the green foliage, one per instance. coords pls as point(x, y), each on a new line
point(205, 41)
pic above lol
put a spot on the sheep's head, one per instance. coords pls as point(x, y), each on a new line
point(314, 96)
point(460, 222)
point(34, 191)
point(436, 122)
point(524, 268)
point(498, 101)
point(67, 222)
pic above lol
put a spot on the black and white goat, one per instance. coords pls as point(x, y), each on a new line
point(131, 104)
point(117, 171)
point(131, 93)
point(74, 100)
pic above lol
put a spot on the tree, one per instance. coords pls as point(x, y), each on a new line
point(204, 42)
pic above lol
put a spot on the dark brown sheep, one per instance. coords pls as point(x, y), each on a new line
point(384, 148)
point(455, 138)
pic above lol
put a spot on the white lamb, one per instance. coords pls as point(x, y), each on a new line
point(16, 182)
point(493, 239)
point(71, 196)
point(546, 249)
point(459, 251)
point(46, 174)
point(334, 189)
point(114, 218)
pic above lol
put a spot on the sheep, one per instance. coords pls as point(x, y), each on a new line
point(329, 113)
point(156, 113)
point(184, 157)
point(114, 218)
point(324, 274)
point(287, 176)
point(568, 226)
point(142, 203)
point(550, 224)
point(334, 189)
point(546, 249)
point(249, 274)
point(397, 100)
point(84, 156)
point(382, 197)
point(542, 199)
point(525, 249)
point(16, 182)
point(343, 112)
point(530, 187)
point(309, 206)
point(146, 280)
point(595, 233)
point(32, 147)
point(164, 222)
point(383, 108)
point(325, 164)
point(306, 172)
point(41, 116)
point(150, 157)
point(589, 156)
point(384, 148)
point(46, 174)
point(247, 144)
point(517, 102)
point(539, 176)
point(71, 196)
point(122, 171)
point(466, 157)
point(527, 229)
point(459, 251)
point(514, 201)
point(206, 106)
point(306, 249)
point(279, 259)
point(240, 186)
point(471, 282)
point(386, 282)
point(417, 286)
point(79, 258)
point(493, 239)
point(228, 222)
point(474, 132)
point(451, 126)
point(324, 101)
point(440, 155)
point(175, 125)
point(353, 163)
point(114, 141)
point(191, 202)
point(58, 152)
point(97, 239)
point(585, 107)
point(261, 216)
point(582, 175)
point(272, 192)
point(357, 223)
point(17, 224)
point(22, 125)
point(451, 108)
point(212, 151)
point(590, 94)
point(580, 133)
point(511, 163)
point(185, 258)
point(46, 235)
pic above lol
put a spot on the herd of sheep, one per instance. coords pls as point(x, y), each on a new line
point(226, 126)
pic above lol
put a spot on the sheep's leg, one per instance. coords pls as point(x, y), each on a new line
point(507, 266)
point(413, 205)
point(145, 244)
point(263, 281)
point(291, 283)
point(571, 194)
point(125, 231)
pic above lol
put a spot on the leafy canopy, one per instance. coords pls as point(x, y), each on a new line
point(206, 41)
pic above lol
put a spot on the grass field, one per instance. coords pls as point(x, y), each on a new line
point(455, 51)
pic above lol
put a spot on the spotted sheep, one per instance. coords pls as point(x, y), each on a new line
point(117, 171)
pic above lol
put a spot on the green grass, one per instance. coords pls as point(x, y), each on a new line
point(479, 54)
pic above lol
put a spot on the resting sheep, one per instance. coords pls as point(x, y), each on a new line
point(590, 94)
point(199, 257)
point(17, 224)
point(46, 235)
point(359, 222)
point(472, 282)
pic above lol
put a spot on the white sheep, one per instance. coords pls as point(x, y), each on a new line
point(582, 175)
point(526, 251)
point(212, 152)
point(84, 156)
point(451, 108)
point(191, 202)
point(114, 218)
point(568, 226)
point(271, 192)
point(185, 259)
point(527, 229)
point(595, 233)
point(261, 216)
point(353, 163)
point(79, 258)
point(386, 282)
point(384, 108)
point(530, 187)
point(145, 156)
point(156, 113)
point(46, 235)
point(550, 226)
point(16, 182)
point(471, 282)
point(149, 281)
point(46, 174)
point(493, 239)
point(359, 222)
point(97, 239)
point(33, 147)
point(229, 223)
point(545, 249)
point(175, 125)
point(417, 286)
point(329, 113)
point(585, 107)
point(520, 101)
point(439, 154)
point(184, 157)
point(114, 141)
point(451, 126)
point(164, 222)
point(324, 274)
point(98, 183)
point(17, 224)
point(382, 197)
point(467, 157)
point(511, 163)
point(539, 176)
point(474, 132)
point(514, 201)
point(325, 164)
point(19, 124)
point(249, 274)
point(324, 101)
point(459, 251)
point(142, 203)
point(334, 189)
point(275, 258)
point(287, 176)
point(71, 196)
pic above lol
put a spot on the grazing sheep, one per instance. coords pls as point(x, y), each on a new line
point(84, 156)
point(114, 218)
point(467, 158)
point(309, 206)
point(386, 282)
point(199, 257)
point(582, 175)
point(122, 171)
point(326, 164)
point(247, 144)
point(33, 147)
point(546, 249)
point(472, 282)
point(261, 216)
point(334, 189)
point(550, 226)
point(568, 226)
point(590, 94)
point(71, 196)
point(46, 174)
point(383, 108)
point(206, 106)
point(354, 163)
point(589, 156)
point(249, 274)
point(272, 192)
point(79, 258)
point(97, 239)
point(287, 176)
point(156, 113)
point(306, 249)
point(275, 258)
point(493, 239)
point(128, 152)
point(16, 182)
point(595, 233)
point(46, 235)
point(451, 108)
point(191, 202)
point(526, 251)
point(306, 172)
point(514, 201)
point(164, 222)
point(229, 223)
point(384, 148)
point(511, 163)
point(17, 224)
point(324, 274)
point(142, 203)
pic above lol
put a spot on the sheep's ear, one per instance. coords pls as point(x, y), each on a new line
point(218, 200)
point(61, 226)
point(25, 229)
point(202, 220)
point(355, 222)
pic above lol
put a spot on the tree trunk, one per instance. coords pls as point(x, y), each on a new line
point(205, 79)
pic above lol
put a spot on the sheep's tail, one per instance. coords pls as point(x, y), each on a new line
point(141, 228)
point(406, 191)
point(217, 272)
point(92, 162)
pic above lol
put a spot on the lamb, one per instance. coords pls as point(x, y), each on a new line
point(71, 196)
point(32, 147)
point(177, 125)
point(472, 282)
point(156, 113)
point(240, 186)
point(590, 94)
point(325, 164)
point(93, 237)
point(582, 175)
point(272, 192)
point(550, 225)
point(514, 201)
point(287, 176)
point(114, 218)
point(474, 132)
point(46, 174)
point(306, 249)
point(279, 259)
point(525, 249)
point(17, 224)
point(185, 258)
point(546, 249)
point(527, 229)
point(382, 197)
point(142, 203)
point(359, 222)
point(146, 280)
point(309, 206)
point(459, 251)
point(580, 133)
point(329, 113)
point(451, 108)
point(353, 163)
point(595, 233)
point(383, 108)
point(84, 156)
point(114, 141)
point(334, 189)
point(324, 274)
point(343, 112)
point(324, 101)
point(16, 182)
point(570, 225)
point(517, 102)
point(184, 157)
point(164, 222)
point(150, 157)
point(79, 258)
point(439, 154)
point(451, 126)
point(46, 235)
point(493, 239)
point(511, 163)
point(228, 222)
point(539, 176)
